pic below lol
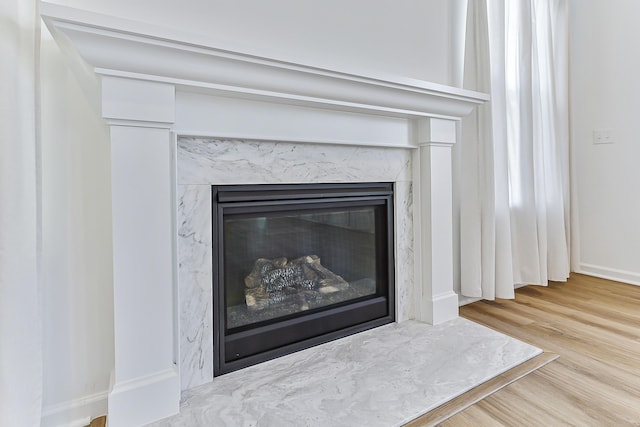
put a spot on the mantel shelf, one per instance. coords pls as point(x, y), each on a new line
point(118, 47)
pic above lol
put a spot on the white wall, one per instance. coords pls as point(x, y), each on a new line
point(405, 38)
point(605, 64)
point(76, 246)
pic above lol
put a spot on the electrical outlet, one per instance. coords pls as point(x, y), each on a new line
point(603, 136)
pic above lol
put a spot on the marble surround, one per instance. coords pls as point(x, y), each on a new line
point(382, 377)
point(203, 162)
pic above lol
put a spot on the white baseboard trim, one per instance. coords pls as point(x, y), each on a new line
point(76, 412)
point(437, 309)
point(143, 400)
point(609, 273)
point(463, 300)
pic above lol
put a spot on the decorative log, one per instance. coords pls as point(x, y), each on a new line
point(326, 277)
point(300, 281)
point(260, 267)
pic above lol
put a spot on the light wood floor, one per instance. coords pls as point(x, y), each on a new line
point(594, 326)
point(98, 422)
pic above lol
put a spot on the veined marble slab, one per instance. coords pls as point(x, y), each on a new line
point(203, 162)
point(220, 161)
point(382, 377)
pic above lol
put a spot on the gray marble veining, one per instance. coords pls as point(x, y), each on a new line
point(404, 250)
point(203, 162)
point(206, 161)
point(382, 377)
point(195, 278)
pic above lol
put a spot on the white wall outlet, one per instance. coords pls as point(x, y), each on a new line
point(603, 136)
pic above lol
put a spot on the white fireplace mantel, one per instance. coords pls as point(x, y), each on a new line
point(121, 48)
point(153, 85)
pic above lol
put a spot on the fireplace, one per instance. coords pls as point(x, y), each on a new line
point(298, 265)
point(204, 163)
point(184, 115)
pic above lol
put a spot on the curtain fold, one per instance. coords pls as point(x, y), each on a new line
point(515, 164)
point(20, 314)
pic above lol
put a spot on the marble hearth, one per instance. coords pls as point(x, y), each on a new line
point(384, 377)
point(183, 115)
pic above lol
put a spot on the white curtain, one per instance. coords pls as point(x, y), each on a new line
point(20, 318)
point(514, 184)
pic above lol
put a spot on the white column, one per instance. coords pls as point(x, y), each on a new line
point(145, 381)
point(436, 302)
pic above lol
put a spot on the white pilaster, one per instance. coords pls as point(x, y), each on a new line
point(436, 302)
point(145, 381)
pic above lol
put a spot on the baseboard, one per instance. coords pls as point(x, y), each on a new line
point(143, 400)
point(437, 309)
point(464, 300)
point(610, 273)
point(76, 412)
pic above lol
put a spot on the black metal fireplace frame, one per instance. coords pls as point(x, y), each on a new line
point(316, 327)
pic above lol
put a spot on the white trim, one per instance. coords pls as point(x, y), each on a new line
point(145, 399)
point(609, 273)
point(174, 249)
point(110, 26)
point(464, 300)
point(146, 384)
point(145, 381)
point(436, 302)
point(137, 123)
point(117, 48)
point(217, 89)
point(75, 413)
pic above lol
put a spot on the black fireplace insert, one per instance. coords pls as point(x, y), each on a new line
point(297, 265)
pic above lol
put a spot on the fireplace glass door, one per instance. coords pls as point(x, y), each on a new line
point(297, 265)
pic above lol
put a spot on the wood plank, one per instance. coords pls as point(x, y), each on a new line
point(594, 326)
point(98, 422)
point(467, 399)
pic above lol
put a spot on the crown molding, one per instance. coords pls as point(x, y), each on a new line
point(121, 48)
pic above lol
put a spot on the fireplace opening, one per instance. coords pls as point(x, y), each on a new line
point(298, 265)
